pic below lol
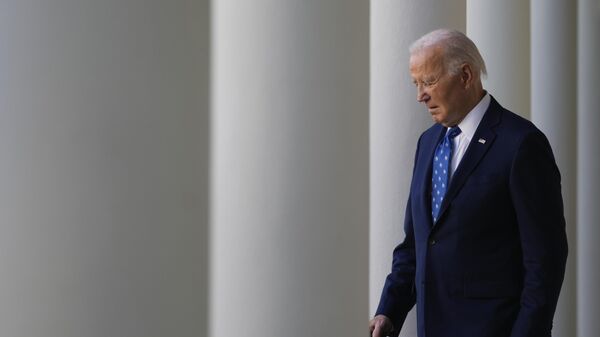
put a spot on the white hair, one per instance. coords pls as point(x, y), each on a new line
point(457, 49)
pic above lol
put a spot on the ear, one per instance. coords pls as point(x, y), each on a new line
point(466, 75)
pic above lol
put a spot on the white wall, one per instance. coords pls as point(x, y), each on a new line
point(103, 142)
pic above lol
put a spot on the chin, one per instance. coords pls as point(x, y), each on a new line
point(437, 119)
point(442, 122)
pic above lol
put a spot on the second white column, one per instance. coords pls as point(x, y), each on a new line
point(397, 120)
point(290, 169)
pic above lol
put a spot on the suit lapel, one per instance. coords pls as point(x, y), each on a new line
point(478, 147)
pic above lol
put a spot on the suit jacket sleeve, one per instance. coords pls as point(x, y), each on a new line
point(536, 193)
point(398, 295)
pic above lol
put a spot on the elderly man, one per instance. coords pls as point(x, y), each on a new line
point(485, 247)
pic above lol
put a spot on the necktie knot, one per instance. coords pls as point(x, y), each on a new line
point(453, 132)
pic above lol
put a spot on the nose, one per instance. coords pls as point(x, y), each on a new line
point(422, 95)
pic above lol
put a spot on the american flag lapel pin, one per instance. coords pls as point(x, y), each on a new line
point(481, 140)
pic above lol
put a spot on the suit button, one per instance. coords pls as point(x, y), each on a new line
point(432, 242)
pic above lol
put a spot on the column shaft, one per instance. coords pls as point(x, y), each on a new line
point(290, 168)
point(553, 110)
point(103, 146)
point(397, 120)
point(588, 183)
point(500, 29)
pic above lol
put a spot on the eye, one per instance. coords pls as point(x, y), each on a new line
point(425, 83)
point(429, 82)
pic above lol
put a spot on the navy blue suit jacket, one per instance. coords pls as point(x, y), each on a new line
point(494, 262)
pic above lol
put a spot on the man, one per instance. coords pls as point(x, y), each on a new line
point(485, 247)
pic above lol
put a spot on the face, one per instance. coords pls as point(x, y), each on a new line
point(444, 94)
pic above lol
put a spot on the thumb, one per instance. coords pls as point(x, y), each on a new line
point(377, 331)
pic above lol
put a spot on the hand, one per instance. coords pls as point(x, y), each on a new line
point(380, 326)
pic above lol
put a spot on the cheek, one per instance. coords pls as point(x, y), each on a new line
point(436, 95)
point(439, 98)
point(447, 99)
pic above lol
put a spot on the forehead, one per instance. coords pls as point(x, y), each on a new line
point(426, 62)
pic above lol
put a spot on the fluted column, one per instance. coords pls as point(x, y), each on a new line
point(289, 232)
point(397, 120)
point(500, 29)
point(103, 168)
point(588, 183)
point(553, 110)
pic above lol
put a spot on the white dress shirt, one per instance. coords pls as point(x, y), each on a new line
point(468, 126)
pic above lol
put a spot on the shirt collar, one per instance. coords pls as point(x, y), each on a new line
point(469, 124)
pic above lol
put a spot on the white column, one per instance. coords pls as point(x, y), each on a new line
point(103, 146)
point(289, 233)
point(397, 120)
point(588, 166)
point(500, 29)
point(553, 110)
